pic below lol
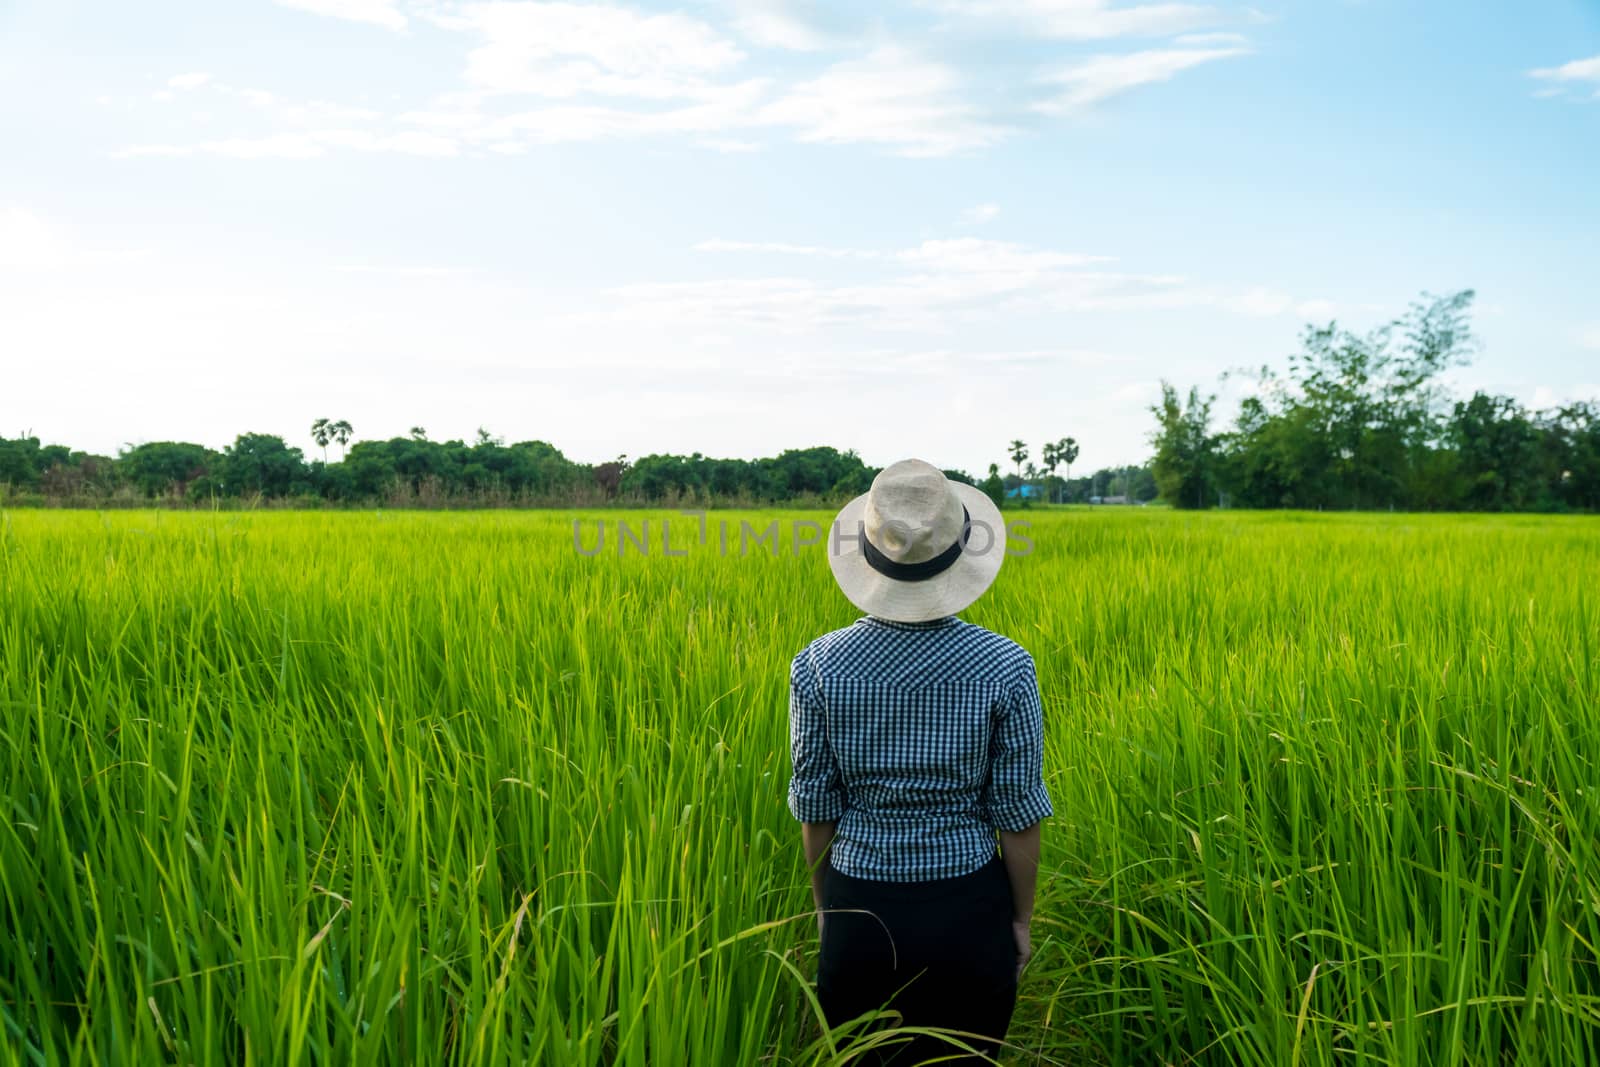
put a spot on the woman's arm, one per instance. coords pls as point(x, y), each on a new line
point(816, 790)
point(1020, 850)
point(1016, 799)
point(816, 837)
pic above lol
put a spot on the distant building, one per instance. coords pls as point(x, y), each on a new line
point(1119, 499)
point(1025, 492)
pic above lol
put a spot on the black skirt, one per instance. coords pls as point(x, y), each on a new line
point(941, 953)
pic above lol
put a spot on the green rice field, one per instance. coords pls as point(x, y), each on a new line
point(366, 788)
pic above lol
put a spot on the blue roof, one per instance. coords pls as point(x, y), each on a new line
point(1025, 490)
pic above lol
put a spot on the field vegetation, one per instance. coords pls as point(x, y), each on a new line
point(356, 788)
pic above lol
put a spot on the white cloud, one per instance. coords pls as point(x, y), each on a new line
point(309, 144)
point(960, 361)
point(980, 214)
point(302, 129)
point(1589, 337)
point(1103, 77)
point(565, 50)
point(1263, 302)
point(1545, 397)
point(776, 24)
point(970, 255)
point(1317, 310)
point(730, 145)
point(1258, 302)
point(30, 243)
point(27, 242)
point(728, 107)
point(272, 146)
point(1587, 70)
point(783, 249)
point(1211, 39)
point(925, 287)
point(408, 142)
point(1140, 392)
point(383, 13)
point(1579, 70)
point(1089, 20)
point(299, 113)
point(616, 72)
point(607, 72)
point(891, 97)
point(404, 272)
point(932, 286)
point(976, 256)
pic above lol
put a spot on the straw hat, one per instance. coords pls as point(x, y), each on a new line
point(916, 546)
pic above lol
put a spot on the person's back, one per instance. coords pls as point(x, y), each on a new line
point(933, 728)
point(917, 737)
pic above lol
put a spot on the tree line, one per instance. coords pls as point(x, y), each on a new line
point(1364, 421)
point(414, 471)
point(410, 471)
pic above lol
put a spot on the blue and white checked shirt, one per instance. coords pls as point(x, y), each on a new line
point(920, 740)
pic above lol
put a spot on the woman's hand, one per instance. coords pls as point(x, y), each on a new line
point(1022, 933)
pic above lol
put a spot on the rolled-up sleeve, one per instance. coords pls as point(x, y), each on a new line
point(1015, 796)
point(816, 790)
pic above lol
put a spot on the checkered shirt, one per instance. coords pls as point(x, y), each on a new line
point(920, 740)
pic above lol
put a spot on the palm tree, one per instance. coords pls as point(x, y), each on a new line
point(1067, 451)
point(342, 432)
point(1051, 457)
point(322, 433)
point(418, 433)
point(1019, 452)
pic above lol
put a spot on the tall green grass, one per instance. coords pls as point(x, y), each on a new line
point(383, 788)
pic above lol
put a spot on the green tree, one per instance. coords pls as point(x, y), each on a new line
point(1185, 449)
point(1018, 452)
point(1357, 421)
point(1067, 448)
point(322, 433)
point(993, 487)
point(160, 467)
point(1066, 453)
point(19, 462)
point(1498, 453)
point(342, 432)
point(1572, 442)
point(1372, 402)
point(260, 463)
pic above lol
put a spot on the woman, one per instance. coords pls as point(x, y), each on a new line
point(917, 738)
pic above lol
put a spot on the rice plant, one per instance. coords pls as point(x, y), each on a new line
point(312, 788)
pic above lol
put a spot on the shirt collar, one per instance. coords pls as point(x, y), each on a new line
point(931, 624)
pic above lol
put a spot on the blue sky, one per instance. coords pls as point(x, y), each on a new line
point(739, 226)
